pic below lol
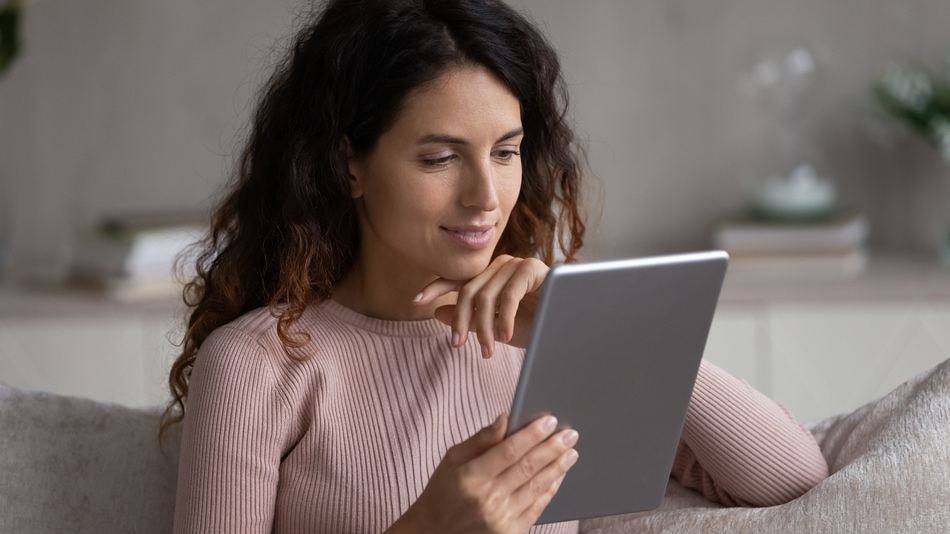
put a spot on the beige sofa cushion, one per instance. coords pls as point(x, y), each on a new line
point(73, 465)
point(890, 464)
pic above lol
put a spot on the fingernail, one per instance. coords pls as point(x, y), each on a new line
point(455, 339)
point(571, 458)
point(569, 438)
point(417, 298)
point(485, 353)
point(549, 424)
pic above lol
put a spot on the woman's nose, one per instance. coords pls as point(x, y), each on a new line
point(479, 188)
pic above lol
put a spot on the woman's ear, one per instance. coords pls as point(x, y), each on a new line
point(352, 169)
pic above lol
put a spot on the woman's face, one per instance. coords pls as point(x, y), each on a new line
point(435, 194)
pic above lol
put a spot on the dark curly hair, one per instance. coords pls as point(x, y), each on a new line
point(286, 232)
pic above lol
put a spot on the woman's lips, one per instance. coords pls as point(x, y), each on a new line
point(471, 237)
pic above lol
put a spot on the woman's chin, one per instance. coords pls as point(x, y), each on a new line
point(464, 270)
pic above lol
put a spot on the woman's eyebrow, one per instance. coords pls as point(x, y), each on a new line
point(442, 138)
point(452, 140)
point(514, 133)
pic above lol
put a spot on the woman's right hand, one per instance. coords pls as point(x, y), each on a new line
point(489, 483)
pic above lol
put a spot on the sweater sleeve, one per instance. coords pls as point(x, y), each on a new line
point(230, 449)
point(739, 447)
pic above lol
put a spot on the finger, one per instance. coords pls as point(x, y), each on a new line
point(512, 449)
point(509, 289)
point(465, 304)
point(534, 496)
point(533, 511)
point(539, 459)
point(522, 281)
point(436, 289)
point(479, 443)
point(486, 305)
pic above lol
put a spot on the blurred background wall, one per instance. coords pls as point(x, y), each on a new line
point(120, 106)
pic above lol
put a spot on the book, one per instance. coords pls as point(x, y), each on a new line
point(841, 232)
point(831, 245)
point(133, 257)
point(148, 252)
point(131, 222)
point(129, 289)
point(800, 265)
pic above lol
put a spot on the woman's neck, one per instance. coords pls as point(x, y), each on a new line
point(384, 294)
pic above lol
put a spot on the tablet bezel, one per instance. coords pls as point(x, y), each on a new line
point(658, 308)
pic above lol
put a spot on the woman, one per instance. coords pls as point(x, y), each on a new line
point(363, 302)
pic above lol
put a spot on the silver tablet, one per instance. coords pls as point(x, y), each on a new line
point(614, 353)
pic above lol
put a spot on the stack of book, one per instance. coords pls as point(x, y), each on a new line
point(835, 244)
point(134, 257)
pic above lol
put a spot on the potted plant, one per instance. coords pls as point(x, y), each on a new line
point(9, 33)
point(921, 100)
point(10, 11)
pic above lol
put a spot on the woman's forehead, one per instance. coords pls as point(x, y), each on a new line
point(461, 102)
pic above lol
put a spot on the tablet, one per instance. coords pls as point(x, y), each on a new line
point(614, 353)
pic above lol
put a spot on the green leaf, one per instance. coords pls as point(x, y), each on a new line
point(9, 33)
point(917, 97)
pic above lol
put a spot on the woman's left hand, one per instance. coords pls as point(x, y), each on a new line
point(498, 304)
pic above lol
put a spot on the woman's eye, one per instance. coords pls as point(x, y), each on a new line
point(438, 162)
point(506, 155)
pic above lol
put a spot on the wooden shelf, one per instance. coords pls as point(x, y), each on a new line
point(886, 277)
point(54, 301)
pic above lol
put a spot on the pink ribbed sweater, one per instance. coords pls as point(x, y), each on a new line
point(344, 442)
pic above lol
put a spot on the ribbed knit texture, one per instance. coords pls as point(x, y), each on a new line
point(740, 448)
point(345, 441)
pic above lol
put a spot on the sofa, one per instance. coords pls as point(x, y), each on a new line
point(74, 465)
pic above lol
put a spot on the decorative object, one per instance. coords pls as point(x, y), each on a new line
point(789, 180)
point(921, 100)
point(803, 194)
